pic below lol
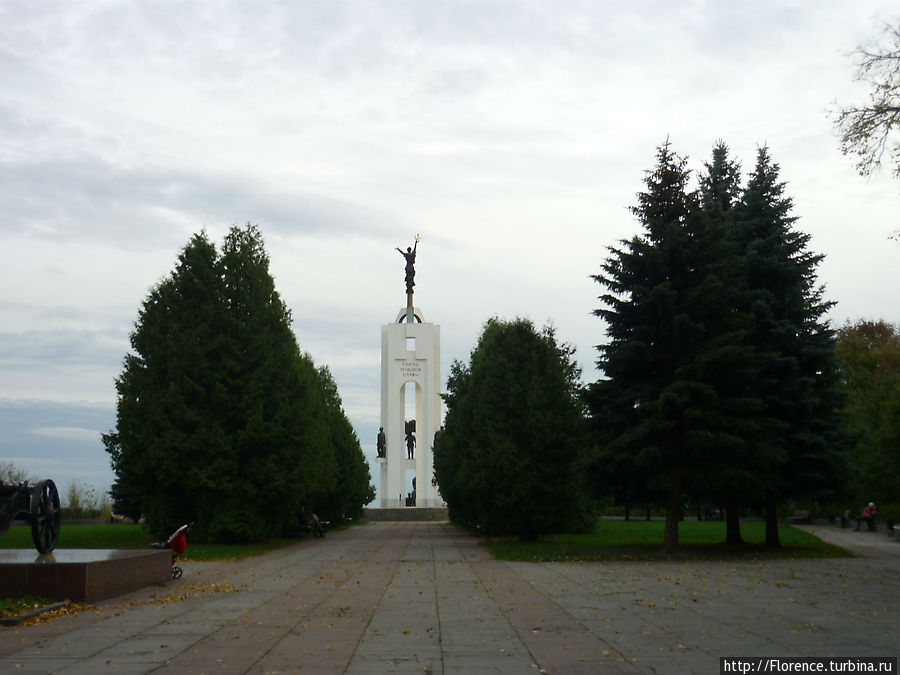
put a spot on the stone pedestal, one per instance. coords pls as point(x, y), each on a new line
point(81, 575)
point(419, 514)
point(410, 353)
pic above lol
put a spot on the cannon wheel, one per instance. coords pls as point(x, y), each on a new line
point(45, 516)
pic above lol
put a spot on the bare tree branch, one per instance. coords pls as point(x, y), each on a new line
point(869, 131)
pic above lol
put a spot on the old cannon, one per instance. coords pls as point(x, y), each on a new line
point(38, 504)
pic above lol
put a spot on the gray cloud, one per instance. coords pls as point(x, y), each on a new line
point(31, 349)
point(60, 441)
point(512, 135)
point(88, 199)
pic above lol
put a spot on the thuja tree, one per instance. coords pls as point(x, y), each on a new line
point(220, 419)
point(169, 445)
point(507, 455)
point(352, 487)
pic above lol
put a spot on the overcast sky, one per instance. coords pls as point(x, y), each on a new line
point(511, 135)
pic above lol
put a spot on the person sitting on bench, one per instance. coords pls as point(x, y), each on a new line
point(868, 515)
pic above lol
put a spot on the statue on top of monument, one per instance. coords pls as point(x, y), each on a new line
point(410, 256)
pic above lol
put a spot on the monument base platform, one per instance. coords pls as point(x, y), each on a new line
point(407, 513)
point(83, 575)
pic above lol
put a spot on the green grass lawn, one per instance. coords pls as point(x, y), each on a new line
point(83, 536)
point(642, 540)
point(134, 536)
point(610, 540)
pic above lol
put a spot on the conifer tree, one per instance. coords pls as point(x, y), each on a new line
point(719, 365)
point(220, 419)
point(506, 457)
point(720, 184)
point(674, 344)
point(804, 449)
point(728, 472)
point(353, 488)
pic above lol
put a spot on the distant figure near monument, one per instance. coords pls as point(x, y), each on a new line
point(381, 443)
point(410, 256)
point(410, 439)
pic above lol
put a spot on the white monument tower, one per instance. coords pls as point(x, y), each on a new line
point(410, 403)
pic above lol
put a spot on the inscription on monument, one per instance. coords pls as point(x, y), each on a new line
point(411, 369)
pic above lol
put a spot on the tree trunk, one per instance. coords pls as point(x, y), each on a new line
point(732, 519)
point(772, 539)
point(673, 511)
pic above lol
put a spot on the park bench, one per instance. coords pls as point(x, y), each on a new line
point(307, 525)
point(870, 524)
point(799, 518)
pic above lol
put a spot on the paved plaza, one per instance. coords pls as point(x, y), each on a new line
point(426, 598)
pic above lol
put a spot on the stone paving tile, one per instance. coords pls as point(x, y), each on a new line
point(425, 597)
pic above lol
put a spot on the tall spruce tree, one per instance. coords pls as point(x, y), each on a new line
point(674, 344)
point(729, 472)
point(719, 192)
point(720, 184)
point(720, 368)
point(803, 449)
